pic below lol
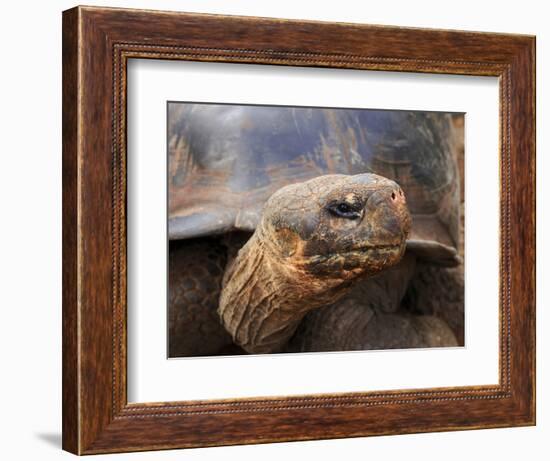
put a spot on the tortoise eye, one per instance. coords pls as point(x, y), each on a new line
point(344, 210)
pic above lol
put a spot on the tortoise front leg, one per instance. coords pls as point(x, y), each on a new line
point(439, 291)
point(350, 327)
point(195, 276)
point(373, 316)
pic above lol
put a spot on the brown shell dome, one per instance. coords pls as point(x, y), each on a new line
point(225, 161)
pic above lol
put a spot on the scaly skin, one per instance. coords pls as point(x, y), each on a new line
point(308, 251)
point(196, 269)
point(373, 316)
point(439, 291)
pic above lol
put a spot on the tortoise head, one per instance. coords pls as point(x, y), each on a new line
point(338, 226)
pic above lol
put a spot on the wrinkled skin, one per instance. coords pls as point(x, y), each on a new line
point(315, 240)
point(378, 314)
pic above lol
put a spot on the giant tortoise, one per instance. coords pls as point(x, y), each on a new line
point(290, 231)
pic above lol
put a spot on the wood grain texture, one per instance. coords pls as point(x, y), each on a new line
point(97, 42)
point(70, 384)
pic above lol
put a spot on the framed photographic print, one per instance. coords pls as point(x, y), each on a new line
point(281, 230)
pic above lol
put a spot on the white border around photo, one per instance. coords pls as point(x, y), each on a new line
point(153, 378)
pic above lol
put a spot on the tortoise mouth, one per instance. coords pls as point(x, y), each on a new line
point(353, 262)
point(365, 248)
point(369, 248)
point(363, 251)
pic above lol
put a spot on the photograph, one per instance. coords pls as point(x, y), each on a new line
point(313, 229)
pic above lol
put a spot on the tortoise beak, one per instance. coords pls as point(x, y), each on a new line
point(389, 206)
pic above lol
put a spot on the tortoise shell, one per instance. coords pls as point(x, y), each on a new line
point(225, 161)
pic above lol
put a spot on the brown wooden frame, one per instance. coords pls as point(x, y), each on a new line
point(97, 43)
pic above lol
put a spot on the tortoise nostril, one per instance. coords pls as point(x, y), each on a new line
point(393, 195)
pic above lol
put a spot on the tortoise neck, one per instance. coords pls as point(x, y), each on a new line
point(264, 296)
